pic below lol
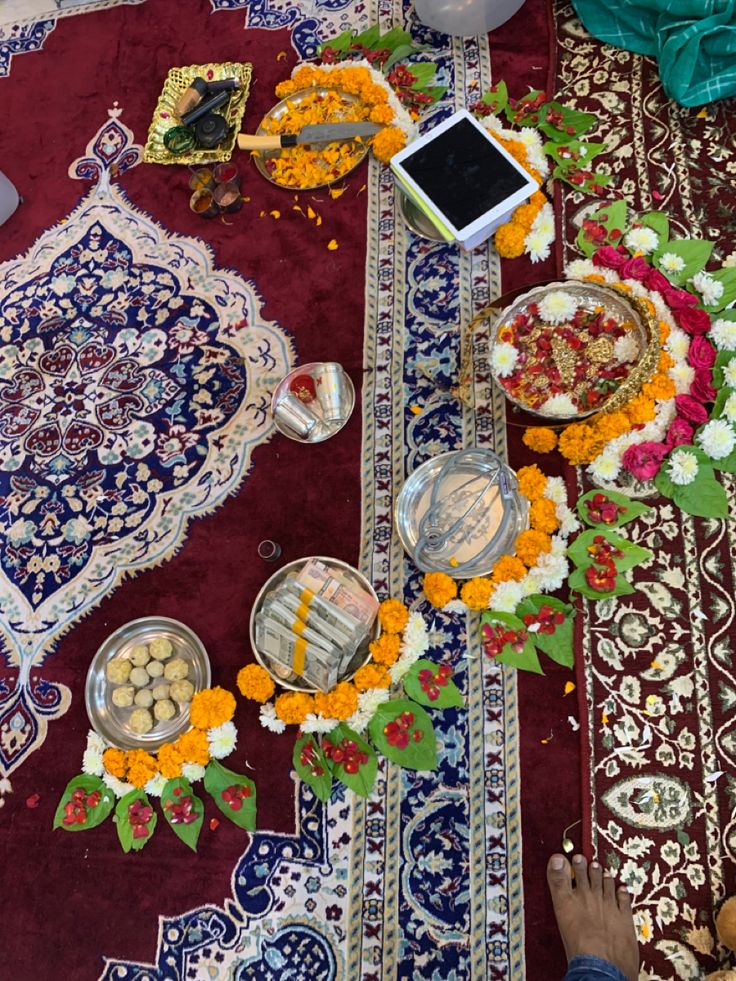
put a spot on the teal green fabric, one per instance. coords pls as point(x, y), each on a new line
point(694, 41)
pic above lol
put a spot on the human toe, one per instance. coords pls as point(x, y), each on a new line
point(559, 876)
point(580, 867)
point(595, 874)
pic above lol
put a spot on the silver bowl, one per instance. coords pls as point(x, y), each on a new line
point(111, 721)
point(322, 430)
point(283, 677)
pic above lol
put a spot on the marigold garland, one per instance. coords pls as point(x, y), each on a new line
point(530, 544)
point(476, 593)
point(393, 616)
point(115, 762)
point(439, 588)
point(371, 676)
point(532, 482)
point(385, 650)
point(293, 707)
point(543, 516)
point(211, 707)
point(194, 747)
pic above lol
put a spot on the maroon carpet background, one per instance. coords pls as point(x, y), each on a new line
point(67, 894)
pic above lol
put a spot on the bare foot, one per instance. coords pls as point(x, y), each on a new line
point(593, 918)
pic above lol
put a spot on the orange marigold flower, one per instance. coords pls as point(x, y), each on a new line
point(293, 707)
point(666, 361)
point(193, 747)
point(543, 516)
point(342, 701)
point(530, 544)
point(381, 114)
point(640, 410)
point(388, 142)
point(509, 240)
point(385, 650)
point(579, 444)
point(115, 762)
point(393, 616)
point(285, 88)
point(540, 439)
point(211, 707)
point(256, 683)
point(610, 425)
point(508, 567)
point(538, 199)
point(476, 593)
point(659, 387)
point(141, 767)
point(371, 676)
point(525, 215)
point(439, 588)
point(532, 482)
point(664, 331)
point(169, 761)
point(374, 95)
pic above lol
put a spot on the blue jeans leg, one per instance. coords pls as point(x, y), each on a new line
point(586, 968)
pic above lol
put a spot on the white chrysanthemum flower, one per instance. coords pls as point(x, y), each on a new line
point(506, 597)
point(559, 546)
point(537, 246)
point(678, 344)
point(642, 239)
point(529, 585)
point(730, 261)
point(155, 785)
point(455, 606)
point(717, 438)
point(682, 375)
point(92, 762)
point(710, 289)
point(492, 123)
point(552, 571)
point(605, 467)
point(192, 772)
point(670, 262)
point(269, 719)
point(682, 467)
point(503, 359)
point(368, 702)
point(558, 405)
point(626, 348)
point(555, 490)
point(557, 307)
point(545, 221)
point(723, 334)
point(119, 788)
point(729, 373)
point(415, 636)
point(222, 740)
point(535, 154)
point(580, 268)
point(569, 524)
point(315, 723)
point(729, 407)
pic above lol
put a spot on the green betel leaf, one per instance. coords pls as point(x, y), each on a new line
point(526, 121)
point(234, 794)
point(694, 253)
point(727, 278)
point(86, 797)
point(178, 794)
point(723, 358)
point(612, 219)
point(633, 554)
point(578, 582)
point(435, 691)
point(497, 97)
point(704, 498)
point(570, 126)
point(493, 616)
point(633, 509)
point(399, 52)
point(403, 732)
point(126, 830)
point(423, 72)
point(312, 767)
point(368, 38)
point(558, 645)
point(341, 43)
point(573, 155)
point(352, 761)
point(394, 38)
point(526, 659)
point(594, 184)
point(659, 221)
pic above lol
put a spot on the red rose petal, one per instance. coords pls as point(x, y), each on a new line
point(33, 800)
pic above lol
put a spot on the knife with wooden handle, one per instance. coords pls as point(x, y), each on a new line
point(319, 133)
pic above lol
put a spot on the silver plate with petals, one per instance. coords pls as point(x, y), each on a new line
point(110, 721)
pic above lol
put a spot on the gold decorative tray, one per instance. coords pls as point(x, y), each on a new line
point(164, 117)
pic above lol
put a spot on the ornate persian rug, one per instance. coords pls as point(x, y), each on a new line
point(658, 697)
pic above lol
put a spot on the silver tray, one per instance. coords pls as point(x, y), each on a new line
point(416, 220)
point(466, 547)
point(323, 430)
point(261, 157)
point(287, 679)
point(110, 721)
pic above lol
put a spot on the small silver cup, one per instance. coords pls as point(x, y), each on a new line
point(331, 391)
point(295, 415)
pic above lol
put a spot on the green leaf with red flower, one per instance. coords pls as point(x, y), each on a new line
point(563, 124)
point(573, 155)
point(505, 639)
point(527, 110)
point(609, 509)
point(234, 794)
point(403, 732)
point(496, 98)
point(85, 803)
point(183, 810)
point(549, 622)
point(135, 820)
point(352, 761)
point(620, 584)
point(604, 226)
point(312, 766)
point(597, 544)
point(430, 684)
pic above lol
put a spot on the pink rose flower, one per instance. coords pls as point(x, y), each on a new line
point(645, 459)
point(679, 299)
point(680, 433)
point(609, 257)
point(690, 409)
point(637, 268)
point(701, 354)
point(702, 386)
point(693, 321)
point(656, 281)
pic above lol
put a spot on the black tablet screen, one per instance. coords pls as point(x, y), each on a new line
point(463, 173)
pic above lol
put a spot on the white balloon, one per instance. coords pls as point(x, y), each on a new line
point(466, 18)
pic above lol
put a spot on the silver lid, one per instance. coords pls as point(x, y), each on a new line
point(459, 512)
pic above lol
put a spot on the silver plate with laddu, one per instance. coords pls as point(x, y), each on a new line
point(281, 675)
point(322, 430)
point(459, 512)
point(110, 721)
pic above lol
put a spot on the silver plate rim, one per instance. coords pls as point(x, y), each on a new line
point(327, 430)
point(106, 651)
point(274, 580)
